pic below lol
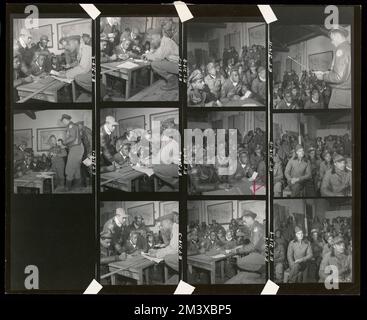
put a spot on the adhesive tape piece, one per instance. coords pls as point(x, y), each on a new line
point(91, 9)
point(183, 11)
point(184, 288)
point(93, 288)
point(267, 13)
point(270, 288)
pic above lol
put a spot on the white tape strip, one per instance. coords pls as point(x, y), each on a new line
point(93, 288)
point(91, 9)
point(184, 288)
point(183, 11)
point(270, 288)
point(267, 13)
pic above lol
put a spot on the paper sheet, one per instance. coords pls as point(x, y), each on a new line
point(127, 65)
point(148, 171)
point(154, 259)
point(220, 255)
point(253, 177)
point(63, 79)
point(87, 162)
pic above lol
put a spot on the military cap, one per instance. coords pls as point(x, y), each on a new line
point(339, 29)
point(311, 149)
point(249, 213)
point(111, 120)
point(65, 116)
point(298, 147)
point(297, 229)
point(122, 212)
point(106, 234)
point(44, 37)
point(242, 151)
point(168, 216)
point(338, 158)
point(195, 75)
point(314, 230)
point(73, 37)
point(338, 239)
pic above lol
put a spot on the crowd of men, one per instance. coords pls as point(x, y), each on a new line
point(250, 168)
point(302, 258)
point(33, 61)
point(244, 237)
point(234, 77)
point(159, 46)
point(121, 239)
point(64, 157)
point(320, 167)
point(319, 89)
point(133, 148)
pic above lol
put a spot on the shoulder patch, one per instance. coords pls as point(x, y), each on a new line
point(339, 53)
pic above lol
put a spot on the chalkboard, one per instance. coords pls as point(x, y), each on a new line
point(320, 61)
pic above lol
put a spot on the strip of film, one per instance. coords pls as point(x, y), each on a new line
point(221, 151)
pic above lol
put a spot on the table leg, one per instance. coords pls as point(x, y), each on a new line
point(128, 85)
point(147, 280)
point(212, 274)
point(140, 281)
point(165, 274)
point(222, 269)
point(151, 77)
point(113, 279)
point(73, 91)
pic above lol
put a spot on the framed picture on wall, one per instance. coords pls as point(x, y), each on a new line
point(256, 35)
point(162, 116)
point(167, 207)
point(220, 212)
point(45, 30)
point(23, 136)
point(73, 28)
point(44, 134)
point(137, 122)
point(320, 61)
point(146, 211)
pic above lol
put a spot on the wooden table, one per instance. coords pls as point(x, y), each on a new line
point(126, 179)
point(125, 73)
point(249, 102)
point(50, 94)
point(30, 180)
point(136, 268)
point(207, 262)
point(243, 187)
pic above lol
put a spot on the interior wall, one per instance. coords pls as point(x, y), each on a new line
point(49, 119)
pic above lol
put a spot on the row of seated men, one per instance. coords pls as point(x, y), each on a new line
point(305, 93)
point(160, 46)
point(33, 61)
point(216, 86)
point(120, 240)
point(134, 149)
point(250, 169)
point(244, 238)
point(297, 173)
point(298, 258)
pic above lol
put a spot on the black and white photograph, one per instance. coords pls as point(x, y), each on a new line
point(139, 243)
point(139, 58)
point(139, 149)
point(225, 242)
point(52, 62)
point(312, 67)
point(52, 151)
point(313, 154)
point(226, 153)
point(226, 64)
point(312, 237)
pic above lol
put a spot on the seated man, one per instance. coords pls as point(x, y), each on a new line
point(337, 182)
point(121, 158)
point(314, 101)
point(211, 243)
point(19, 77)
point(279, 260)
point(339, 259)
point(287, 102)
point(132, 246)
point(278, 176)
point(38, 64)
point(233, 88)
point(164, 59)
point(123, 51)
point(198, 93)
point(299, 254)
point(214, 80)
point(258, 86)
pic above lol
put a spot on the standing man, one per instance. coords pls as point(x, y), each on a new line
point(76, 149)
point(339, 78)
point(107, 149)
point(299, 254)
point(24, 47)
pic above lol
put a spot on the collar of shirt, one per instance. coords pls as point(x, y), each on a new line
point(109, 132)
point(119, 224)
point(234, 83)
point(22, 43)
point(134, 245)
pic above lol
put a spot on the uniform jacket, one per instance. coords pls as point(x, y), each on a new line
point(73, 137)
point(299, 250)
point(229, 90)
point(258, 87)
point(343, 263)
point(119, 234)
point(215, 84)
point(298, 169)
point(107, 149)
point(336, 183)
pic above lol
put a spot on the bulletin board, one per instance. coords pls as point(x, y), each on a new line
point(220, 212)
point(320, 61)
